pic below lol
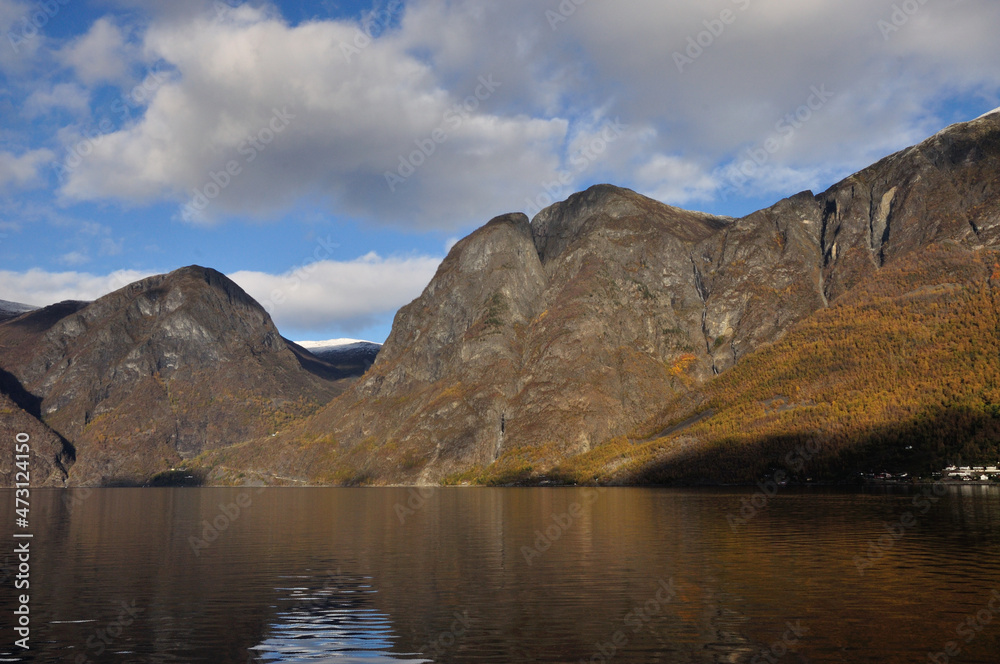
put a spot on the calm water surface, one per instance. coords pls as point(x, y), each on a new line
point(507, 575)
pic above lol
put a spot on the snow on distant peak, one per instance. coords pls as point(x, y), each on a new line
point(333, 343)
point(8, 307)
point(995, 110)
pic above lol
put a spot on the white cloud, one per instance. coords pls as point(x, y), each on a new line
point(346, 295)
point(676, 181)
point(19, 41)
point(298, 116)
point(22, 170)
point(764, 64)
point(320, 296)
point(11, 11)
point(69, 96)
point(40, 287)
point(359, 107)
point(112, 247)
point(74, 258)
point(101, 55)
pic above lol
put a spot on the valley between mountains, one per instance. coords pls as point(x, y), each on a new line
point(611, 339)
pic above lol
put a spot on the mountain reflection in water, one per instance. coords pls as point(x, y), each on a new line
point(637, 576)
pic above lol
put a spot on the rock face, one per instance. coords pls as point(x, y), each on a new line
point(943, 188)
point(48, 454)
point(587, 328)
point(547, 339)
point(899, 375)
point(565, 332)
point(159, 371)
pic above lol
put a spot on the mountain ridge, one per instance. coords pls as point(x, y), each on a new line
point(539, 341)
point(597, 342)
point(154, 373)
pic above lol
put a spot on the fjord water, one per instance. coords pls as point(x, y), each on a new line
point(507, 575)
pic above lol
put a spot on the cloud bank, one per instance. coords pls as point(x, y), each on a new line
point(446, 113)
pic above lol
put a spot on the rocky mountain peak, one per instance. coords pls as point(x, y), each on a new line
point(159, 370)
point(604, 206)
point(488, 280)
point(545, 340)
point(493, 242)
point(193, 315)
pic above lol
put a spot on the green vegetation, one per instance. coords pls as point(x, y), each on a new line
point(496, 311)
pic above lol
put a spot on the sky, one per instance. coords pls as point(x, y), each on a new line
point(326, 155)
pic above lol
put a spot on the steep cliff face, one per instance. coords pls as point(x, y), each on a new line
point(759, 276)
point(551, 338)
point(159, 371)
point(545, 340)
point(48, 455)
point(620, 318)
point(945, 188)
point(447, 380)
point(901, 374)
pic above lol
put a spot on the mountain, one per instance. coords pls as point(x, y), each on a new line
point(48, 454)
point(145, 378)
point(592, 341)
point(901, 375)
point(348, 354)
point(10, 310)
point(612, 338)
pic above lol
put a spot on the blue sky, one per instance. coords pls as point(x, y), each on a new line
point(326, 154)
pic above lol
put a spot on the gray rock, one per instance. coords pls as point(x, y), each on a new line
point(547, 339)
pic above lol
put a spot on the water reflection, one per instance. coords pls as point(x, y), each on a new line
point(647, 575)
point(331, 619)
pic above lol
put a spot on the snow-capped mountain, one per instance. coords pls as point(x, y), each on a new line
point(313, 346)
point(339, 351)
point(11, 309)
point(995, 110)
